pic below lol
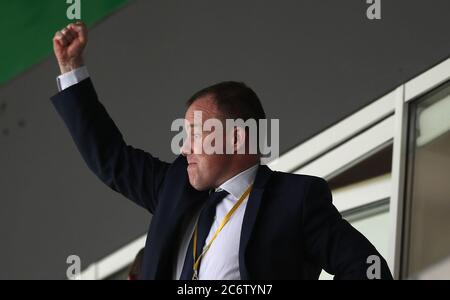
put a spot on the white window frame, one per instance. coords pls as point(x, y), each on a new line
point(412, 91)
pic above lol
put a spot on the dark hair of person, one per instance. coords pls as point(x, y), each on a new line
point(235, 100)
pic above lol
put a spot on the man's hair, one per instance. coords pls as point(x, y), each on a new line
point(234, 100)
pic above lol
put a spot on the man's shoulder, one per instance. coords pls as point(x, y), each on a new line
point(295, 184)
point(298, 178)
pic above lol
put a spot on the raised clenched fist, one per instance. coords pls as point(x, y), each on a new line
point(68, 45)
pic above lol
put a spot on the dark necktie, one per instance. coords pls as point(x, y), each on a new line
point(205, 221)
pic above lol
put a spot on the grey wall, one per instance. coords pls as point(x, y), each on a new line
point(311, 62)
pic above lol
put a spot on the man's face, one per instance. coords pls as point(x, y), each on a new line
point(205, 170)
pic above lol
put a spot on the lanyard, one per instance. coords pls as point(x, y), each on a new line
point(222, 224)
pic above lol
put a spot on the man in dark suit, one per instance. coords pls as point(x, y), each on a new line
point(215, 216)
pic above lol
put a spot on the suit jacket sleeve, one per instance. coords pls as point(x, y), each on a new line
point(132, 172)
point(332, 242)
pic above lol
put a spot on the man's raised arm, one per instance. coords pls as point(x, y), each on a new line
point(132, 172)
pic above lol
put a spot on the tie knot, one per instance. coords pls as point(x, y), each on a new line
point(216, 197)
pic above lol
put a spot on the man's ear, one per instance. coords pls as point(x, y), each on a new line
point(240, 136)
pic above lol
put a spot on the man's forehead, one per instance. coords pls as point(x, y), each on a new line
point(199, 123)
point(207, 105)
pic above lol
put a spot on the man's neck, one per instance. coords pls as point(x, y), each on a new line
point(237, 170)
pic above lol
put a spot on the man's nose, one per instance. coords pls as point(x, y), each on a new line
point(186, 147)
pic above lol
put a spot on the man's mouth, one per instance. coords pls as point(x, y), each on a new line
point(191, 162)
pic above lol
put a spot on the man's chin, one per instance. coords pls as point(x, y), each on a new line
point(197, 186)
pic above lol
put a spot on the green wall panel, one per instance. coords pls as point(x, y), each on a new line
point(27, 28)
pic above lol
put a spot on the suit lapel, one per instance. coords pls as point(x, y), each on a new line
point(251, 213)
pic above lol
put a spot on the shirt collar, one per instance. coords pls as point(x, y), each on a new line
point(237, 185)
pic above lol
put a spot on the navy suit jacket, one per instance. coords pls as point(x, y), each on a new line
point(291, 230)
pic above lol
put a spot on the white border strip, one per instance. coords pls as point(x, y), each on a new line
point(335, 135)
point(427, 81)
point(90, 273)
point(351, 152)
point(115, 261)
point(398, 183)
point(362, 193)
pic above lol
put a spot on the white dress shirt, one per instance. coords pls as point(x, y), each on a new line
point(222, 259)
point(68, 79)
